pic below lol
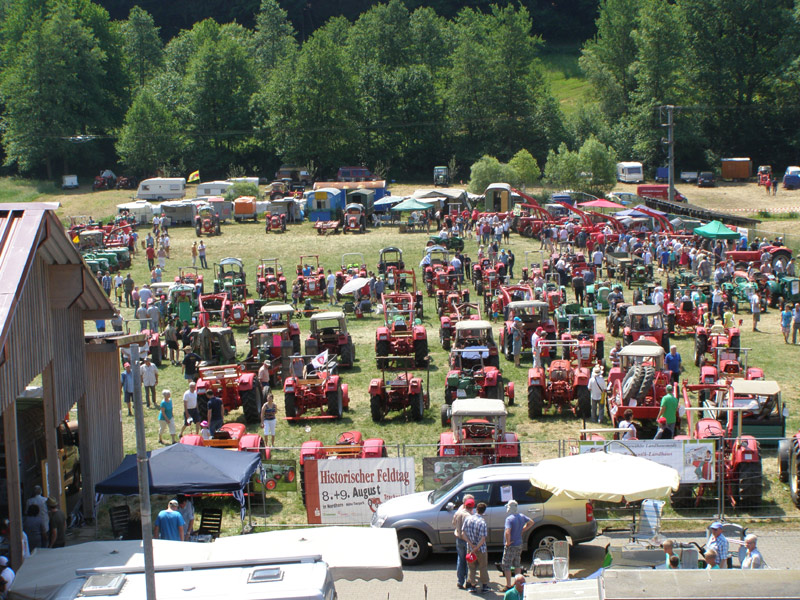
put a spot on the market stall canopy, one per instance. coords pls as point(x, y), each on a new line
point(354, 284)
point(410, 204)
point(600, 203)
point(389, 200)
point(371, 554)
point(184, 469)
point(605, 476)
point(717, 231)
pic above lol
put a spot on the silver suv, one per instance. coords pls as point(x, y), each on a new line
point(424, 520)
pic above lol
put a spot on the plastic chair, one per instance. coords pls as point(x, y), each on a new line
point(648, 529)
point(120, 521)
point(210, 522)
point(542, 565)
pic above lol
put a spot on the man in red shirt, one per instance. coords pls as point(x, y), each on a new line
point(151, 257)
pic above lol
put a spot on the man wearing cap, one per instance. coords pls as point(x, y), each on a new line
point(719, 543)
point(461, 515)
point(536, 347)
point(126, 385)
point(669, 410)
point(515, 527)
point(663, 432)
point(58, 524)
point(597, 385)
point(170, 524)
point(476, 532)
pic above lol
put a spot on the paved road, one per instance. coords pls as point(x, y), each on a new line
point(780, 549)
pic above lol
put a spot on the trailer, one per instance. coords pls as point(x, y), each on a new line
point(161, 188)
point(736, 169)
point(630, 172)
point(213, 188)
point(180, 212)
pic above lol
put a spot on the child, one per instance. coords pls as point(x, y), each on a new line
point(204, 432)
point(495, 308)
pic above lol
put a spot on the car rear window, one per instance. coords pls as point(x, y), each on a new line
point(524, 493)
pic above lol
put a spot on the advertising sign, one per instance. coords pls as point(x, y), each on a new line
point(693, 459)
point(277, 475)
point(436, 471)
point(347, 491)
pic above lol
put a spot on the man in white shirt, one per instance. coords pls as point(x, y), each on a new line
point(330, 282)
point(597, 385)
point(597, 258)
point(191, 416)
point(149, 374)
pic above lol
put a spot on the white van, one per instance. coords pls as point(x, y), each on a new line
point(630, 172)
point(162, 188)
point(213, 188)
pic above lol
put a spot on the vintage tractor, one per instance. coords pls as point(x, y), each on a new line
point(390, 258)
point(214, 345)
point(244, 207)
point(355, 218)
point(783, 288)
point(234, 386)
point(712, 340)
point(483, 270)
point(645, 321)
point(561, 387)
point(273, 341)
point(533, 314)
point(311, 277)
point(724, 364)
point(639, 382)
point(328, 331)
point(231, 278)
point(683, 315)
point(270, 280)
point(400, 336)
point(278, 314)
point(206, 221)
point(403, 390)
point(789, 465)
point(182, 301)
point(470, 377)
point(212, 307)
point(759, 405)
point(274, 473)
point(441, 176)
point(515, 293)
point(189, 276)
point(232, 436)
point(352, 265)
point(581, 343)
point(738, 456)
point(476, 334)
point(314, 385)
point(478, 428)
point(446, 302)
point(439, 274)
point(777, 254)
point(462, 311)
point(275, 222)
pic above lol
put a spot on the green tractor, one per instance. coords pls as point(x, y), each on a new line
point(230, 278)
point(783, 288)
point(597, 295)
point(638, 275)
point(581, 318)
point(454, 243)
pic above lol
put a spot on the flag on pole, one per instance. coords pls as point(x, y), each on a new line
point(194, 177)
point(320, 360)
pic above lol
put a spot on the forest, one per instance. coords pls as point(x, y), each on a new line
point(240, 87)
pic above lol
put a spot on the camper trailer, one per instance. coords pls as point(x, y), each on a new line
point(141, 209)
point(162, 188)
point(179, 212)
point(630, 172)
point(498, 198)
point(213, 188)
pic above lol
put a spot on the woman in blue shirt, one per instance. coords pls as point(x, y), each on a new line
point(166, 419)
point(786, 322)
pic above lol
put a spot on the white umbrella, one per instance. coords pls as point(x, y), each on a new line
point(605, 476)
point(354, 284)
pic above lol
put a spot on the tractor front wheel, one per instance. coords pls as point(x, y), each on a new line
point(535, 402)
point(381, 350)
point(444, 413)
point(290, 404)
point(750, 484)
point(420, 353)
point(346, 357)
point(335, 403)
point(417, 406)
point(584, 402)
point(251, 404)
point(376, 407)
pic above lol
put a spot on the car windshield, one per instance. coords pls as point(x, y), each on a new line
point(443, 491)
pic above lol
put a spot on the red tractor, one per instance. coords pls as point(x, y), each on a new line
point(478, 428)
point(236, 387)
point(515, 293)
point(189, 276)
point(400, 336)
point(353, 265)
point(275, 222)
point(476, 334)
point(470, 377)
point(645, 321)
point(270, 280)
point(206, 220)
point(390, 258)
point(462, 311)
point(233, 436)
point(446, 302)
point(639, 382)
point(778, 254)
point(553, 292)
point(683, 315)
point(581, 343)
point(439, 273)
point(561, 386)
point(739, 454)
point(726, 365)
point(402, 391)
point(212, 307)
point(483, 270)
point(355, 218)
point(311, 277)
point(328, 332)
point(533, 314)
point(314, 386)
point(710, 341)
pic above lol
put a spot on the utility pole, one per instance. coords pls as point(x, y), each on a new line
point(670, 141)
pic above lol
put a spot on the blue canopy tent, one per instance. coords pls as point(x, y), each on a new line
point(184, 469)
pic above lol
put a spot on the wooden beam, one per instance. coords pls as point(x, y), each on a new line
point(51, 422)
point(13, 484)
point(65, 283)
point(91, 315)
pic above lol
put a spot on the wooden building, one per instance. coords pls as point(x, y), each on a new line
point(46, 294)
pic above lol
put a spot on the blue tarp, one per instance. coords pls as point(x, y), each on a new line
point(184, 469)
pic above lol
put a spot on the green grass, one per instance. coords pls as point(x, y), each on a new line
point(250, 243)
point(564, 76)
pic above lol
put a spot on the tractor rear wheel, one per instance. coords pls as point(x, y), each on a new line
point(449, 395)
point(155, 355)
point(417, 406)
point(600, 351)
point(671, 323)
point(251, 404)
point(647, 382)
point(444, 340)
point(750, 485)
point(335, 403)
point(535, 402)
point(296, 343)
point(735, 344)
point(202, 406)
point(382, 349)
point(290, 404)
point(700, 347)
point(346, 357)
point(584, 402)
point(794, 475)
point(420, 352)
point(444, 413)
point(784, 451)
point(632, 382)
point(376, 408)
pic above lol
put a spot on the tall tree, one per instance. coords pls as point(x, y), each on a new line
point(143, 50)
point(53, 90)
point(274, 35)
point(151, 136)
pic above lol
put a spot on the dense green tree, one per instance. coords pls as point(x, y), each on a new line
point(143, 50)
point(488, 170)
point(151, 136)
point(274, 35)
point(525, 167)
point(53, 90)
point(598, 166)
point(563, 168)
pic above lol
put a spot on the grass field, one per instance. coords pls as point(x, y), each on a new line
point(565, 77)
point(250, 243)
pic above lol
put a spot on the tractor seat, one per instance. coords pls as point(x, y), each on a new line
point(688, 306)
point(222, 435)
